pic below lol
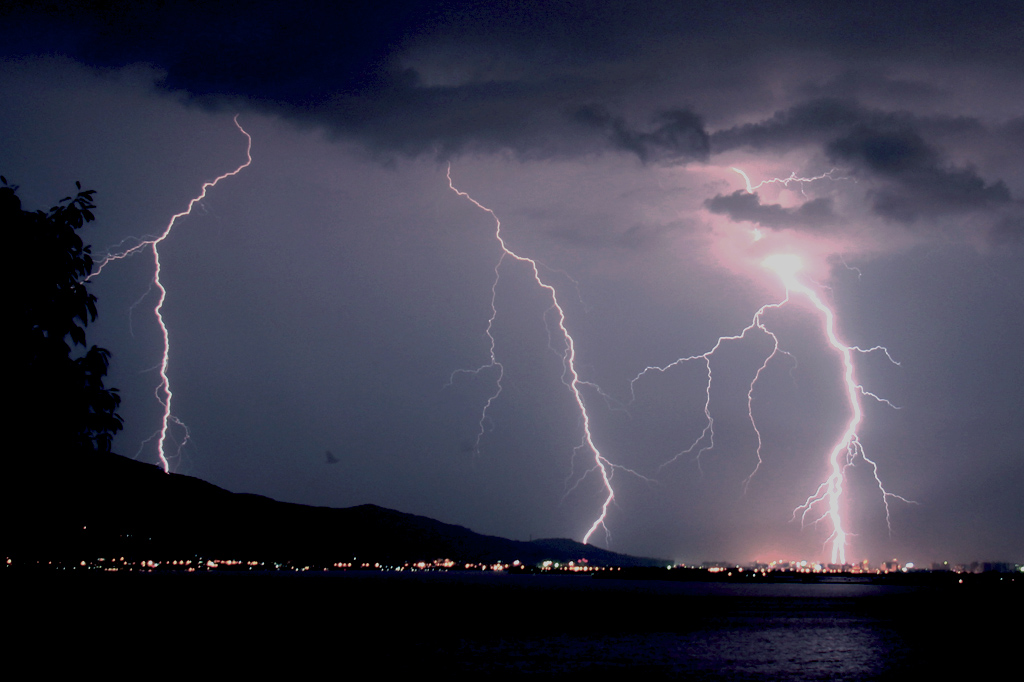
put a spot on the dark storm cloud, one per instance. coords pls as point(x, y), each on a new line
point(409, 119)
point(525, 70)
point(872, 84)
point(743, 206)
point(820, 121)
point(911, 178)
point(676, 136)
point(297, 54)
point(343, 67)
point(916, 183)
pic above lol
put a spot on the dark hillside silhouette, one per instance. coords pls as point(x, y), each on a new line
point(121, 508)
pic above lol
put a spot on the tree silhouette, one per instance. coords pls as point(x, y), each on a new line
point(61, 406)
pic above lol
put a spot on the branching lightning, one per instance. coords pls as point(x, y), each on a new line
point(163, 390)
point(793, 177)
point(570, 376)
point(846, 450)
point(706, 440)
point(824, 503)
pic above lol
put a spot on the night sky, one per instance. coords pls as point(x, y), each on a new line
point(321, 299)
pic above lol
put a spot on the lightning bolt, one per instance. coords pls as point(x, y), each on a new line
point(570, 376)
point(793, 177)
point(163, 392)
point(706, 440)
point(824, 503)
point(848, 447)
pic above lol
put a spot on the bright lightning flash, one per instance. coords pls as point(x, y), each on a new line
point(824, 504)
point(163, 390)
point(570, 377)
point(848, 447)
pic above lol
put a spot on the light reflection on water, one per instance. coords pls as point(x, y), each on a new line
point(736, 632)
point(711, 631)
point(457, 623)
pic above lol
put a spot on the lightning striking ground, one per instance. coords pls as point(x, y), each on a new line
point(848, 447)
point(824, 503)
point(570, 376)
point(164, 395)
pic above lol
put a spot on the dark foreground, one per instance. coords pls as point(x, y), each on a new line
point(356, 624)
